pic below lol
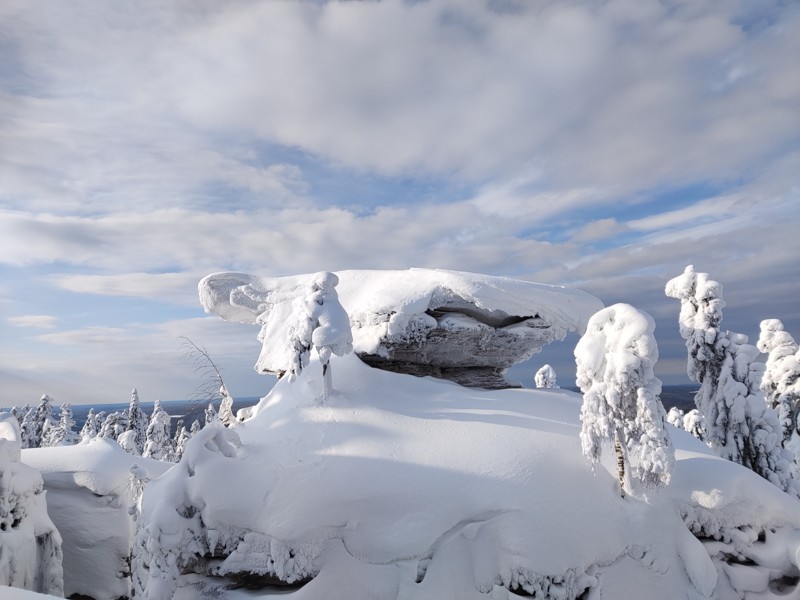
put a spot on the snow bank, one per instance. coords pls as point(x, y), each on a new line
point(88, 499)
point(30, 546)
point(420, 321)
point(412, 488)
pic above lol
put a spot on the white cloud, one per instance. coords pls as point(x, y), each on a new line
point(35, 321)
point(177, 287)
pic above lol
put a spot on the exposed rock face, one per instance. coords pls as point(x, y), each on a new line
point(464, 327)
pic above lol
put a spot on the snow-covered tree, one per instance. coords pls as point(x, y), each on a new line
point(781, 381)
point(61, 432)
point(137, 422)
point(114, 424)
point(753, 432)
point(621, 405)
point(194, 429)
point(42, 421)
point(695, 423)
point(28, 429)
point(313, 320)
point(179, 441)
point(90, 426)
point(226, 416)
point(158, 442)
point(739, 424)
point(210, 414)
point(545, 377)
point(699, 321)
point(675, 417)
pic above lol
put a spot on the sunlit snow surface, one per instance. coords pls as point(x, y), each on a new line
point(414, 488)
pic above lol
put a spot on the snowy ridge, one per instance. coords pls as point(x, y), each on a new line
point(414, 488)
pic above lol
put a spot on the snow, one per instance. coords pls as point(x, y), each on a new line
point(394, 313)
point(416, 488)
point(88, 499)
point(30, 546)
point(13, 593)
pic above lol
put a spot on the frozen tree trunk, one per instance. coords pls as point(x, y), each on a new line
point(620, 466)
point(327, 381)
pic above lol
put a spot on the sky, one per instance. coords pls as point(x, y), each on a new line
point(598, 145)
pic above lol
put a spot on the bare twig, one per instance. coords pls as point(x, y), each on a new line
point(210, 377)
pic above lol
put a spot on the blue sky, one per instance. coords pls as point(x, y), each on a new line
point(598, 145)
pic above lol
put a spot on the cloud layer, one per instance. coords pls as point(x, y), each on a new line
point(602, 145)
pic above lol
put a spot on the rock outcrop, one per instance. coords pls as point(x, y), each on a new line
point(465, 327)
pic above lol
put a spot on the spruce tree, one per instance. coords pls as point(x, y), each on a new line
point(781, 381)
point(157, 444)
point(137, 421)
point(615, 360)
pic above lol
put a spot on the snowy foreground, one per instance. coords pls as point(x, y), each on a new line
point(417, 488)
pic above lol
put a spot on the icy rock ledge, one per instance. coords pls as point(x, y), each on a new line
point(465, 327)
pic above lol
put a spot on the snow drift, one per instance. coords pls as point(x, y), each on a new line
point(416, 488)
point(30, 545)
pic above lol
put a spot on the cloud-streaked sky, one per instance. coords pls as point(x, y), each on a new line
point(601, 145)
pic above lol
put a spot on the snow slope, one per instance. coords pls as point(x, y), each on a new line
point(415, 488)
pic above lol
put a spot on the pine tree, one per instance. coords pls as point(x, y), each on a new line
point(615, 360)
point(195, 429)
point(781, 381)
point(137, 421)
point(546, 378)
point(157, 444)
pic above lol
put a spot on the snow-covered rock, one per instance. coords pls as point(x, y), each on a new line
point(88, 497)
point(30, 545)
point(461, 326)
point(418, 489)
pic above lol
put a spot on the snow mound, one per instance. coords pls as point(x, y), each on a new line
point(30, 546)
point(88, 498)
point(412, 488)
point(461, 326)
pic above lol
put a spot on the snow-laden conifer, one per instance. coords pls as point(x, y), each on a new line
point(40, 422)
point(739, 424)
point(157, 444)
point(179, 441)
point(615, 359)
point(695, 423)
point(781, 381)
point(61, 432)
point(89, 429)
point(210, 414)
point(675, 417)
point(546, 377)
point(114, 424)
point(225, 415)
point(315, 320)
point(137, 422)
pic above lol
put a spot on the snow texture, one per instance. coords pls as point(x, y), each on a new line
point(418, 489)
point(88, 499)
point(30, 545)
point(461, 326)
point(615, 360)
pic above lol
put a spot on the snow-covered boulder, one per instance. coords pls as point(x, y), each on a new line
point(461, 326)
point(89, 497)
point(418, 489)
point(30, 545)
